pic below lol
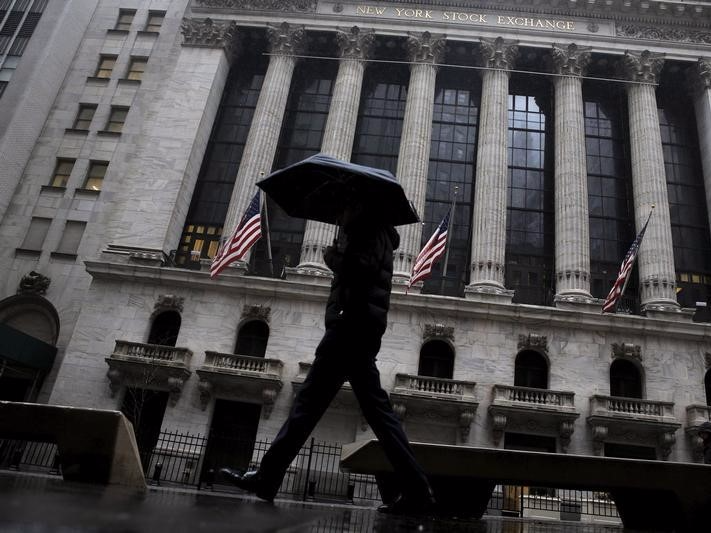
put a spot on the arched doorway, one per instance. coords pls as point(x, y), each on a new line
point(436, 360)
point(625, 379)
point(531, 370)
point(165, 328)
point(29, 327)
point(252, 339)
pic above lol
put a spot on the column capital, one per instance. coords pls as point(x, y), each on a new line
point(642, 66)
point(699, 76)
point(285, 39)
point(571, 60)
point(498, 53)
point(207, 33)
point(425, 47)
point(355, 43)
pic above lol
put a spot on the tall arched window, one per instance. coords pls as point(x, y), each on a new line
point(625, 379)
point(531, 370)
point(252, 339)
point(436, 360)
point(707, 382)
point(165, 328)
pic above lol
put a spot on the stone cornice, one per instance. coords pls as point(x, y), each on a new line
point(443, 307)
point(662, 33)
point(260, 5)
point(571, 60)
point(209, 33)
point(355, 43)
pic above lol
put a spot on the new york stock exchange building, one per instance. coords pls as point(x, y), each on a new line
point(553, 126)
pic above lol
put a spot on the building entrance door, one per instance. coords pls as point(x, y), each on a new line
point(232, 435)
point(145, 409)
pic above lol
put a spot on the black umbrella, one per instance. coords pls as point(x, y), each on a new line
point(321, 187)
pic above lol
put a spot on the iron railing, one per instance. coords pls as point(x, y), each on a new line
point(563, 504)
point(29, 456)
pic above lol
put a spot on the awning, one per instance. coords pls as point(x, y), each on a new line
point(26, 350)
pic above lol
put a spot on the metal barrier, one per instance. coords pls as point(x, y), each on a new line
point(29, 455)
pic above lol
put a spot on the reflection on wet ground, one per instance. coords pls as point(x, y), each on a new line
point(41, 505)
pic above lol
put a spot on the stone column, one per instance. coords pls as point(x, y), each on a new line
point(700, 78)
point(285, 42)
point(425, 51)
point(355, 47)
point(489, 216)
point(656, 255)
point(152, 196)
point(572, 226)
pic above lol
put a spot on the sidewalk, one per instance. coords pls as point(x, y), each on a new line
point(39, 504)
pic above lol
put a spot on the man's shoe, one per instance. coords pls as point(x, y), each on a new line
point(403, 506)
point(250, 481)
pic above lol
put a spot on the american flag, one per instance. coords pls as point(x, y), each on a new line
point(246, 234)
point(432, 251)
point(610, 304)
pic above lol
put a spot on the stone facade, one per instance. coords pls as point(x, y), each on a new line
point(106, 293)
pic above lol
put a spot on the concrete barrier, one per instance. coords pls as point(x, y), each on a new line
point(95, 446)
point(649, 495)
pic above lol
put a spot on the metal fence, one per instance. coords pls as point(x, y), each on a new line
point(565, 504)
point(29, 456)
point(182, 459)
point(185, 459)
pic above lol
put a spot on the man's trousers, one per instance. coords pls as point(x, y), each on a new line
point(345, 354)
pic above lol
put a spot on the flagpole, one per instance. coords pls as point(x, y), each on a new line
point(269, 237)
point(450, 231)
point(622, 292)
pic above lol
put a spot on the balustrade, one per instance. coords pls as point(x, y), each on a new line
point(243, 363)
point(152, 352)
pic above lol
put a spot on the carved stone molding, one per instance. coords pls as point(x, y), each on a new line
point(438, 331)
point(626, 350)
point(175, 387)
point(355, 43)
point(707, 360)
point(168, 302)
point(209, 34)
point(533, 341)
point(285, 39)
point(466, 417)
point(268, 398)
point(33, 283)
point(642, 66)
point(400, 410)
point(666, 442)
point(571, 60)
point(256, 312)
point(206, 389)
point(660, 33)
point(499, 421)
point(599, 436)
point(425, 47)
point(699, 76)
point(115, 380)
point(565, 431)
point(304, 6)
point(498, 53)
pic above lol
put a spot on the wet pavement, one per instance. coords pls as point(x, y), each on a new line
point(39, 504)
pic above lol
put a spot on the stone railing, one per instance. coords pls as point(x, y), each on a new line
point(152, 353)
point(243, 363)
point(542, 397)
point(635, 407)
point(436, 387)
point(697, 414)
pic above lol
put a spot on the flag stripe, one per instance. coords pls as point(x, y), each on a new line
point(433, 250)
point(613, 298)
point(245, 235)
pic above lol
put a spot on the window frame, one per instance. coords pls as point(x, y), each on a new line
point(149, 27)
point(101, 70)
point(78, 118)
point(111, 123)
point(55, 173)
point(120, 23)
point(28, 245)
point(93, 165)
point(130, 70)
point(68, 244)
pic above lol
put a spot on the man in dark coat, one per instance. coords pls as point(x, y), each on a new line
point(705, 434)
point(356, 318)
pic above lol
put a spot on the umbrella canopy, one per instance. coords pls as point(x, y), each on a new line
point(321, 187)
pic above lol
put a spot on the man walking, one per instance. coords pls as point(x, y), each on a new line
point(356, 318)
